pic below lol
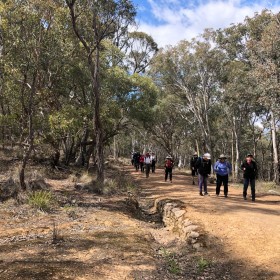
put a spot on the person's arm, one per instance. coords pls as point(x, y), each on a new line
point(197, 163)
point(216, 167)
point(210, 165)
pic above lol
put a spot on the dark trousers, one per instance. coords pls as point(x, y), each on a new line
point(142, 166)
point(136, 165)
point(148, 167)
point(250, 181)
point(202, 181)
point(222, 180)
point(153, 166)
point(168, 170)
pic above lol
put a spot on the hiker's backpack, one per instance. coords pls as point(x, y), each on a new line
point(169, 163)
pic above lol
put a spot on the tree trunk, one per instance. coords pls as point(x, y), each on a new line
point(83, 147)
point(237, 159)
point(30, 139)
point(115, 148)
point(232, 157)
point(275, 152)
point(97, 120)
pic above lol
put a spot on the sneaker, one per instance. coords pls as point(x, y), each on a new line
point(201, 193)
point(245, 198)
point(225, 195)
point(193, 183)
point(253, 199)
point(206, 193)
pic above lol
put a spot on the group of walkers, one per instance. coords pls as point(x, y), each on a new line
point(145, 163)
point(201, 166)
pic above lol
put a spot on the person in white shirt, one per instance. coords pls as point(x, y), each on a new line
point(154, 160)
point(148, 162)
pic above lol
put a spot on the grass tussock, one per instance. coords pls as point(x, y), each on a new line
point(41, 200)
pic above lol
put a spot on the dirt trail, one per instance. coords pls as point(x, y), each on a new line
point(249, 232)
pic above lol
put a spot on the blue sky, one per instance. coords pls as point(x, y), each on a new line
point(169, 21)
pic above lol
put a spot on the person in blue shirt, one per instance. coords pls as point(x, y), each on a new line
point(222, 168)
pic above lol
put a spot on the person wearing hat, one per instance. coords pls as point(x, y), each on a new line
point(148, 162)
point(192, 165)
point(222, 168)
point(203, 166)
point(169, 163)
point(250, 170)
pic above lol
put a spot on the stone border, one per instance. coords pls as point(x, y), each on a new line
point(174, 217)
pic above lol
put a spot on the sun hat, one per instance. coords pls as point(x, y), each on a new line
point(195, 153)
point(169, 156)
point(222, 156)
point(207, 155)
point(249, 155)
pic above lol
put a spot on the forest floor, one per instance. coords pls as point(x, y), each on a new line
point(89, 236)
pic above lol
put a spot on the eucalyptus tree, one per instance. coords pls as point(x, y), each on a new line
point(264, 47)
point(140, 49)
point(238, 98)
point(27, 36)
point(236, 107)
point(94, 22)
point(191, 71)
point(165, 127)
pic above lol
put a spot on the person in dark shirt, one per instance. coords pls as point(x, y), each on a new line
point(249, 168)
point(203, 166)
point(193, 167)
point(169, 163)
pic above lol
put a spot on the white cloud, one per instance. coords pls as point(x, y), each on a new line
point(180, 22)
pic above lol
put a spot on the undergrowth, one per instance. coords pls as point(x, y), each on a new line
point(41, 200)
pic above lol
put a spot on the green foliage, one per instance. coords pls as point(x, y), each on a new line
point(68, 120)
point(172, 263)
point(202, 264)
point(41, 200)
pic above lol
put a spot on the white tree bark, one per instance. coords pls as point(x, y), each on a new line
point(274, 148)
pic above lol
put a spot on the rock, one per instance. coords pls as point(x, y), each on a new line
point(194, 234)
point(37, 185)
point(8, 189)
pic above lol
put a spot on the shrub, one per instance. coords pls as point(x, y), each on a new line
point(202, 264)
point(41, 200)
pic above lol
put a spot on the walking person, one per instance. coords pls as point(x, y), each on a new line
point(203, 166)
point(136, 158)
point(154, 160)
point(169, 163)
point(141, 162)
point(148, 162)
point(222, 168)
point(193, 167)
point(250, 170)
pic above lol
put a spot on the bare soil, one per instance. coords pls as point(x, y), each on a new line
point(89, 236)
